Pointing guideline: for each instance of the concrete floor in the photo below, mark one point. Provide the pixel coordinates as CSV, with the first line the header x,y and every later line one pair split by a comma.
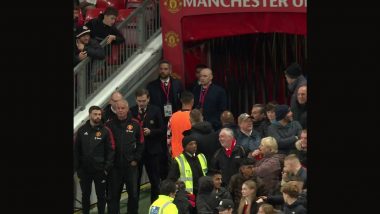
x,y
144,202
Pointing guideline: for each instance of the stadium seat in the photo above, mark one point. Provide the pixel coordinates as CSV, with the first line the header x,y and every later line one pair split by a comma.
x,y
93,13
134,3
123,14
80,18
118,4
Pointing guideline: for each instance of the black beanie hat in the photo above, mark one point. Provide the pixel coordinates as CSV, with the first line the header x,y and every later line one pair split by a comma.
x,y
187,139
281,112
293,71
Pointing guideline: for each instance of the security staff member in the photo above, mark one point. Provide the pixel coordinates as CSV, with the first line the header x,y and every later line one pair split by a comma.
x,y
164,203
189,167
151,120
93,157
128,151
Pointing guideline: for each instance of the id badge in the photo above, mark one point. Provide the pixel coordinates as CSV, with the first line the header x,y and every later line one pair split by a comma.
x,y
168,110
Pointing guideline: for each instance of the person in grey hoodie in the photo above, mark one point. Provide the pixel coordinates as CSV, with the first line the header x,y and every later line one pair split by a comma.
x,y
285,130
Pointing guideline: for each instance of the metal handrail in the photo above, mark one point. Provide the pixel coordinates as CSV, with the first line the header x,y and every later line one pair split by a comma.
x,y
91,75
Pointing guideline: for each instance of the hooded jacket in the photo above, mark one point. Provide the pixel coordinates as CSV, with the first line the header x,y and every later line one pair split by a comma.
x,y
206,204
100,31
207,139
285,135
295,208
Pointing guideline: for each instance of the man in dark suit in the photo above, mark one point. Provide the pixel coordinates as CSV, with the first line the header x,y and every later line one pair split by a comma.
x,y
153,127
165,93
210,98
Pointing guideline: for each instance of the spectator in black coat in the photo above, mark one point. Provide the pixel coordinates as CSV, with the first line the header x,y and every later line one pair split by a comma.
x,y
227,120
260,120
104,27
228,158
219,192
292,205
85,46
295,79
207,138
299,106
181,199
210,98
206,204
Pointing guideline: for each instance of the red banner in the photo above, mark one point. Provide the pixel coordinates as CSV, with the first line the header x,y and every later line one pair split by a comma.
x,y
189,20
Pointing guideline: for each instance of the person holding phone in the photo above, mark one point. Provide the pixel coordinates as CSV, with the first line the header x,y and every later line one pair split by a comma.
x,y
85,46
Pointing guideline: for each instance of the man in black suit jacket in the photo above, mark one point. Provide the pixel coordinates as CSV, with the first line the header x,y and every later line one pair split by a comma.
x,y
211,99
153,127
165,93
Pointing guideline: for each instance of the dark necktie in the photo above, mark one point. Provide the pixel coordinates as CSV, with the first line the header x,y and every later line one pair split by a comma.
x,y
166,85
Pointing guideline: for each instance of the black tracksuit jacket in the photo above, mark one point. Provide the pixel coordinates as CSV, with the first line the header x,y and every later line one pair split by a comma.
x,y
128,139
94,148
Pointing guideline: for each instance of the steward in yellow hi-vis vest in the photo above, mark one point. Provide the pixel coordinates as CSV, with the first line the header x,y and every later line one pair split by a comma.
x,y
189,167
164,203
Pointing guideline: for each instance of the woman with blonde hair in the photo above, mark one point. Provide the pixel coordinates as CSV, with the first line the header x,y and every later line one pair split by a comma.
x,y
247,203
269,167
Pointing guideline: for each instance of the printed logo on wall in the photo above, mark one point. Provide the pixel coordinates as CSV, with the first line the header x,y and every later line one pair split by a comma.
x,y
171,39
173,6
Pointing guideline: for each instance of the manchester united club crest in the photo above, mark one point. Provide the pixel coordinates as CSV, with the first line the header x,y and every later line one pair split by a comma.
x,y
98,134
173,6
171,39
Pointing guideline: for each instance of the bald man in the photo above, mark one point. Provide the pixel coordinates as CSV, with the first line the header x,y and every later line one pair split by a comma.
x,y
299,106
109,112
210,98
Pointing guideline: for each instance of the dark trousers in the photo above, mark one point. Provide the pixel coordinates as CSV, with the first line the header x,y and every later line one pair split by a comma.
x,y
152,164
165,157
117,179
85,182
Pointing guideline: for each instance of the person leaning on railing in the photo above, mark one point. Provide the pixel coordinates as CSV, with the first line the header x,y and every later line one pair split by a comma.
x,y
85,46
104,27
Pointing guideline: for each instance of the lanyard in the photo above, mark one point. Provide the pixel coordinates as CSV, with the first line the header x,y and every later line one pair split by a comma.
x,y
202,96
143,117
166,92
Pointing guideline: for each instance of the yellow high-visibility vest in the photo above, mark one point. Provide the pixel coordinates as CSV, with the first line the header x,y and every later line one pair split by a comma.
x,y
163,205
186,175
